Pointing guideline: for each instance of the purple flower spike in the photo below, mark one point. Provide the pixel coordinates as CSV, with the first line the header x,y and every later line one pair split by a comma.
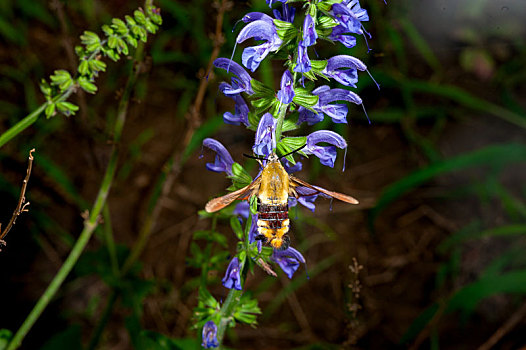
x,y
309,31
259,30
289,260
223,160
286,94
303,64
232,278
287,14
265,142
348,77
209,336
241,81
327,154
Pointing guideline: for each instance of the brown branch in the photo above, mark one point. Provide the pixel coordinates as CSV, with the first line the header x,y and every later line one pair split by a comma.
x,y
514,319
22,205
194,121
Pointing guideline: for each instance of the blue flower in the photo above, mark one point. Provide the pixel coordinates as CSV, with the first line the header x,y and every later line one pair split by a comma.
x,y
348,77
338,34
337,112
241,80
303,64
309,31
265,142
232,278
286,94
349,14
259,30
242,209
241,109
223,160
287,14
269,2
257,16
210,335
327,154
289,260
292,168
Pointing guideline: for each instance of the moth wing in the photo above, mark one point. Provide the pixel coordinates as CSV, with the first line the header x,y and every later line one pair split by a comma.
x,y
220,202
313,190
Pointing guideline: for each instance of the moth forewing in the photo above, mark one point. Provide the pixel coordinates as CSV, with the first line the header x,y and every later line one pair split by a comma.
x,y
295,182
220,202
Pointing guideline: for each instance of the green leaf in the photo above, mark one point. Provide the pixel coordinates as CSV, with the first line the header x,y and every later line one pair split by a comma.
x,y
130,21
87,85
50,110
240,177
84,68
107,30
119,26
286,31
468,297
62,79
70,338
419,324
67,108
139,16
261,90
304,98
150,27
112,41
5,337
206,299
97,65
45,88
496,155
91,41
236,227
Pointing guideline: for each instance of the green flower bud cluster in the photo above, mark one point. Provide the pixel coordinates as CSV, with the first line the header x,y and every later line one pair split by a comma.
x,y
119,36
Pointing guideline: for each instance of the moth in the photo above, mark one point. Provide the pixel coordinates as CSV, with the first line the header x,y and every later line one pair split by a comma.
x,y
273,188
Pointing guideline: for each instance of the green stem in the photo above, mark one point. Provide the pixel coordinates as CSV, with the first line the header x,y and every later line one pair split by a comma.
x,y
31,118
110,242
281,118
227,311
91,223
97,333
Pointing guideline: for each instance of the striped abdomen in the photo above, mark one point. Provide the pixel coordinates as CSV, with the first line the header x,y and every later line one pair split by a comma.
x,y
273,224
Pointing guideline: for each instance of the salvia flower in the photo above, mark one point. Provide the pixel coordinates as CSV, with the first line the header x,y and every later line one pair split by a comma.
x,y
241,109
349,14
256,16
210,335
337,112
265,141
287,14
232,277
326,154
339,33
309,31
240,80
289,260
269,2
286,94
242,209
303,64
223,160
259,30
348,77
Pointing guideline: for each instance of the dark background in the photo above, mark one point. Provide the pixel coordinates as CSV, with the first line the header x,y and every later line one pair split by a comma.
x,y
448,237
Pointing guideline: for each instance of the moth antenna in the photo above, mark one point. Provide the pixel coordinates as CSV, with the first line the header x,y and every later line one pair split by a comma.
x,y
254,157
296,150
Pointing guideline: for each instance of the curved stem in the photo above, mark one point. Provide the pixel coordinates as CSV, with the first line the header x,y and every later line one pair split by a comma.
x,y
91,223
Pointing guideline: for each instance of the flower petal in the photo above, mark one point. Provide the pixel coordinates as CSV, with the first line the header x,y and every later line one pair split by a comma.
x,y
223,160
209,335
232,277
236,69
309,31
265,142
286,94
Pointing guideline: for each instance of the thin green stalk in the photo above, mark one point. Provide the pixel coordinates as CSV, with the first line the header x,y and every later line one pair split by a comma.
x,y
281,118
227,310
91,223
31,118
97,333
108,238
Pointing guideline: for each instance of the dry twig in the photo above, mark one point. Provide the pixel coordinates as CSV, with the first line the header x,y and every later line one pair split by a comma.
x,y
22,205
